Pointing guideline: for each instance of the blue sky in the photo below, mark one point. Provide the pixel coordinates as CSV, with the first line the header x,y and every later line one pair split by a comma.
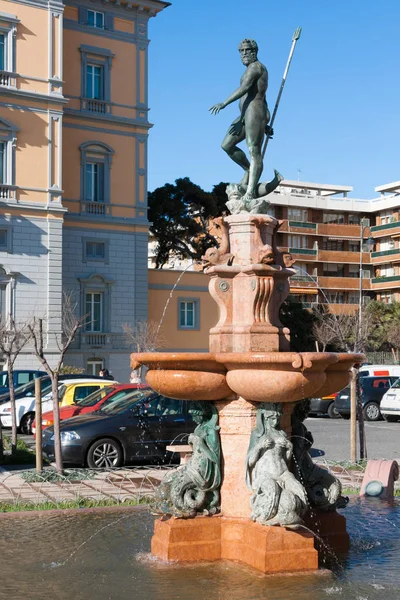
x,y
338,120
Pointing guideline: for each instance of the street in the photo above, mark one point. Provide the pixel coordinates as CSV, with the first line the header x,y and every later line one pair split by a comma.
x,y
332,439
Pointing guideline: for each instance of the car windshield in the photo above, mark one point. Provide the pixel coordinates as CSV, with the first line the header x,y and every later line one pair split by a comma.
x,y
28,388
94,397
396,384
126,403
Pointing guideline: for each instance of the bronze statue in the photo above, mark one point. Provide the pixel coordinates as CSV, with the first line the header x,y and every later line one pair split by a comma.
x,y
251,125
278,498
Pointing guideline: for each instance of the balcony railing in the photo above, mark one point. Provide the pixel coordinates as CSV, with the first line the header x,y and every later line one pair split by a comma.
x,y
6,191
99,209
390,225
7,79
303,224
307,251
385,279
101,107
385,252
94,339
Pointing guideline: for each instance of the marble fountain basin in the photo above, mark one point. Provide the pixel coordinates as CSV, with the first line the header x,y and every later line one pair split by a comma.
x,y
255,376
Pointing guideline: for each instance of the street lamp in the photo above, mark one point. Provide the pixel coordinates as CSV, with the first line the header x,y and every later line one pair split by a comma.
x,y
369,244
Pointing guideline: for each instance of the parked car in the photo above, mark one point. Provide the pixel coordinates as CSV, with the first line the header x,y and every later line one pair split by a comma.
x,y
372,389
91,403
380,371
138,427
28,389
324,406
68,391
19,377
390,403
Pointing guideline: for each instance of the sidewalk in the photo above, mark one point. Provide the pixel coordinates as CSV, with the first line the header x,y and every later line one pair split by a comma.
x,y
119,485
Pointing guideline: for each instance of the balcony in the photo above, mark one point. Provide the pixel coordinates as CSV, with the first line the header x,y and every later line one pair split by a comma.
x,y
309,252
343,256
94,340
7,191
100,209
93,105
384,256
386,282
7,79
303,281
392,228
340,230
343,283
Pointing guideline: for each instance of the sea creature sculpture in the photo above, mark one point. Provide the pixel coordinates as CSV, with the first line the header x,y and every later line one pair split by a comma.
x,y
221,255
278,498
323,489
194,487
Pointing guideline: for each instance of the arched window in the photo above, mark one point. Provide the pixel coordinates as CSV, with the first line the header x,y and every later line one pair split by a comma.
x,y
96,158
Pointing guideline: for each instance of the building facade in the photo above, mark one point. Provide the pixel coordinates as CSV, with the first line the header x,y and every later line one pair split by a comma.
x,y
73,170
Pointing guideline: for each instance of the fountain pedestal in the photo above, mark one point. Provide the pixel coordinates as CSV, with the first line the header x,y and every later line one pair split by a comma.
x,y
249,383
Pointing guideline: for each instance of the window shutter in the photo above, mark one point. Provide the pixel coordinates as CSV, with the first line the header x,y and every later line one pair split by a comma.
x,y
83,15
109,22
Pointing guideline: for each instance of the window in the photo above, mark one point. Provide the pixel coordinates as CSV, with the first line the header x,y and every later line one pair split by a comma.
x,y
297,214
23,378
386,217
95,19
8,133
386,271
336,298
336,245
332,270
94,250
96,158
297,241
386,243
94,366
94,182
188,313
84,390
387,297
354,246
353,298
333,218
94,312
354,270
94,82
354,219
2,52
96,79
3,239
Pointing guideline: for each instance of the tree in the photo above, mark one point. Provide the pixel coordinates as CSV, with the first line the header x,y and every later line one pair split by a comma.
x,y
179,214
13,339
300,322
70,325
144,336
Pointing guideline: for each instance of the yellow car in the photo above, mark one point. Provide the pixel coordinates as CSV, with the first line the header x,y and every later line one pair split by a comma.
x,y
69,393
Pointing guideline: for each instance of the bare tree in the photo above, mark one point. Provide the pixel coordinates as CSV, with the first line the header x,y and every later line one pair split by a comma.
x,y
144,336
13,338
393,337
69,325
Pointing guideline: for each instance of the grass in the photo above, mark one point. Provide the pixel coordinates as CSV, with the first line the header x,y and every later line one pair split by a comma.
x,y
21,506
22,456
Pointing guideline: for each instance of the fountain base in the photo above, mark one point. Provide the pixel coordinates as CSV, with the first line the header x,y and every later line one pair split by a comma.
x,y
267,549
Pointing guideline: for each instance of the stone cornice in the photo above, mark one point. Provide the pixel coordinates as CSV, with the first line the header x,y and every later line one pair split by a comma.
x,y
56,5
123,8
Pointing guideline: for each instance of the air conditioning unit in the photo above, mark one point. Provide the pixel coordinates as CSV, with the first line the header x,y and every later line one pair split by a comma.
x,y
365,222
366,274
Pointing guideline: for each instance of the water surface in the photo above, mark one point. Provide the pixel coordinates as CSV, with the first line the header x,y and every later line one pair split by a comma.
x,y
105,556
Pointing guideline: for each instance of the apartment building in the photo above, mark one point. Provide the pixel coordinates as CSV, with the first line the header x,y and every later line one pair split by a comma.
x,y
335,239
73,169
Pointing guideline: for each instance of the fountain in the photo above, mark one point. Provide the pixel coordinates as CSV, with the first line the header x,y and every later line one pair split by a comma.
x,y
248,490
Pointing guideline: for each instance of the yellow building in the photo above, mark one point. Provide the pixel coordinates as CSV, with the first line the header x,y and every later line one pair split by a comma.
x,y
73,168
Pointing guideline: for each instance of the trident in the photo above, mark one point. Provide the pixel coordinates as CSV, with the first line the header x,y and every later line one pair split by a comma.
x,y
295,37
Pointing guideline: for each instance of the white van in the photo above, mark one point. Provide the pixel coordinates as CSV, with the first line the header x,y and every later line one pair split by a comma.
x,y
380,371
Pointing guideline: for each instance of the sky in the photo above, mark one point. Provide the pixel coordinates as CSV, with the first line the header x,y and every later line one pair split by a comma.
x,y
338,120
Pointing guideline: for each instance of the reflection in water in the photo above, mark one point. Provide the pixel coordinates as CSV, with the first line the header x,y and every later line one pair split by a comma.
x,y
104,555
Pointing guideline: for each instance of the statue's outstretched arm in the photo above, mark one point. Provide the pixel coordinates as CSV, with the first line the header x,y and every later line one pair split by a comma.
x,y
250,76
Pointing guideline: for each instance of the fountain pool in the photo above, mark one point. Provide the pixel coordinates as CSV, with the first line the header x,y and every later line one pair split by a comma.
x,y
106,555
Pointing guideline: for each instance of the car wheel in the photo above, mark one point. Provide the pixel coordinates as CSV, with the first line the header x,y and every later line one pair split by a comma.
x,y
26,423
391,418
371,412
104,453
332,412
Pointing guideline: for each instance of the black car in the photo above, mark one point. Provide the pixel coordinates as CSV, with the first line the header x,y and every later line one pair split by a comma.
x,y
372,389
324,406
136,427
